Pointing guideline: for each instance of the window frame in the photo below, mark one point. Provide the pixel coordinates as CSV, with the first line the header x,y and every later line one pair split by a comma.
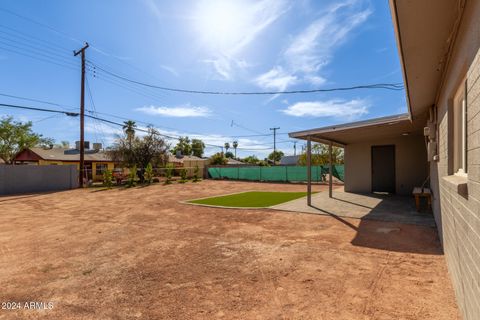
x,y
460,166
102,167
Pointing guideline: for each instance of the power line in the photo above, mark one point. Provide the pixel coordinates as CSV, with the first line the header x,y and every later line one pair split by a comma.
x,y
137,69
45,50
99,128
95,111
139,91
30,38
41,24
233,123
76,114
46,118
386,86
39,58
37,100
102,75
67,113
37,49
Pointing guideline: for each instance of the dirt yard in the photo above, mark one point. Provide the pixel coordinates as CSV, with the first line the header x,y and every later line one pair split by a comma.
x,y
140,254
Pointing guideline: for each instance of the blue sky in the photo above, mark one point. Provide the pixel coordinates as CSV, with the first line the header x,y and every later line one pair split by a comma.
x,y
270,45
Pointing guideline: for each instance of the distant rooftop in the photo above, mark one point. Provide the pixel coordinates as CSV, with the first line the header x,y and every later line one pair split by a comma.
x,y
66,154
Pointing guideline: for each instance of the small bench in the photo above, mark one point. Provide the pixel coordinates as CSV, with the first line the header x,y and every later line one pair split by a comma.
x,y
419,193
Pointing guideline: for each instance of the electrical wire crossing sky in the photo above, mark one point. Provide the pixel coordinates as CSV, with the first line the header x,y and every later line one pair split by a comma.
x,y
220,71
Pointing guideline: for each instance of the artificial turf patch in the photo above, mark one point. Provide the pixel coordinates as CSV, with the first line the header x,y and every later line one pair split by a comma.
x,y
251,199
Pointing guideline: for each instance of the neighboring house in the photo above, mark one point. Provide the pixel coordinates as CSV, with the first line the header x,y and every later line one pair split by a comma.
x,y
438,43
234,162
188,162
289,160
95,161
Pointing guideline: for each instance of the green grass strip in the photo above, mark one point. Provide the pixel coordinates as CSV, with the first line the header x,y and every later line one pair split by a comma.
x,y
251,199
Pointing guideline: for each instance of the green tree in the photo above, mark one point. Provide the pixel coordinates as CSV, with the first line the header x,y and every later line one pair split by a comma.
x,y
263,163
46,143
196,172
183,175
218,159
16,136
229,155
132,177
320,155
198,147
107,178
148,174
129,129
235,146
183,146
141,151
275,156
251,159
168,173
227,146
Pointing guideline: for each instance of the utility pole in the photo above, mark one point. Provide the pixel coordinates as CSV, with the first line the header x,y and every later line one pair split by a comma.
x,y
274,144
294,148
82,115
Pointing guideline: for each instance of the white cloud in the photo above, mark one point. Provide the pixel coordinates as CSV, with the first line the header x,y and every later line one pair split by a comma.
x,y
152,6
169,69
276,79
179,112
313,48
227,27
331,108
222,66
315,80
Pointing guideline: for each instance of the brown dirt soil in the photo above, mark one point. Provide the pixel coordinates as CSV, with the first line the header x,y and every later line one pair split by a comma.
x,y
140,254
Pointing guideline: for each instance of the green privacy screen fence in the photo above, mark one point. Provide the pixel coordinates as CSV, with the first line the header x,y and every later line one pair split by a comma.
x,y
276,173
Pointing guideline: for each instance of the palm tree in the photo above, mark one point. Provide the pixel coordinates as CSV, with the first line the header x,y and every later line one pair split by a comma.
x,y
227,146
235,145
129,129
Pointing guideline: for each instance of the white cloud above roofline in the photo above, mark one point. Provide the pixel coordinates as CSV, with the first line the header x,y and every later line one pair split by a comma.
x,y
337,108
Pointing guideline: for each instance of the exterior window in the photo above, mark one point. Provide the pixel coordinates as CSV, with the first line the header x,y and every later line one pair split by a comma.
x,y
460,131
100,168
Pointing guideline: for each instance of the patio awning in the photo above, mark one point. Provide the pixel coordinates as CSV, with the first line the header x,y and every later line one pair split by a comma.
x,y
368,130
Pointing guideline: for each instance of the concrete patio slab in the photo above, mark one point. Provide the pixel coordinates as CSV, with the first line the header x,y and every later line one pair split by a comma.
x,y
380,207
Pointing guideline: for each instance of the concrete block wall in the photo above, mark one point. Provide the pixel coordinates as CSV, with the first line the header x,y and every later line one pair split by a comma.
x,y
20,179
458,213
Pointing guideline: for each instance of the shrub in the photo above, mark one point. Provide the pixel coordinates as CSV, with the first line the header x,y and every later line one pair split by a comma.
x,y
183,175
263,163
148,174
218,159
196,174
168,173
131,182
108,178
